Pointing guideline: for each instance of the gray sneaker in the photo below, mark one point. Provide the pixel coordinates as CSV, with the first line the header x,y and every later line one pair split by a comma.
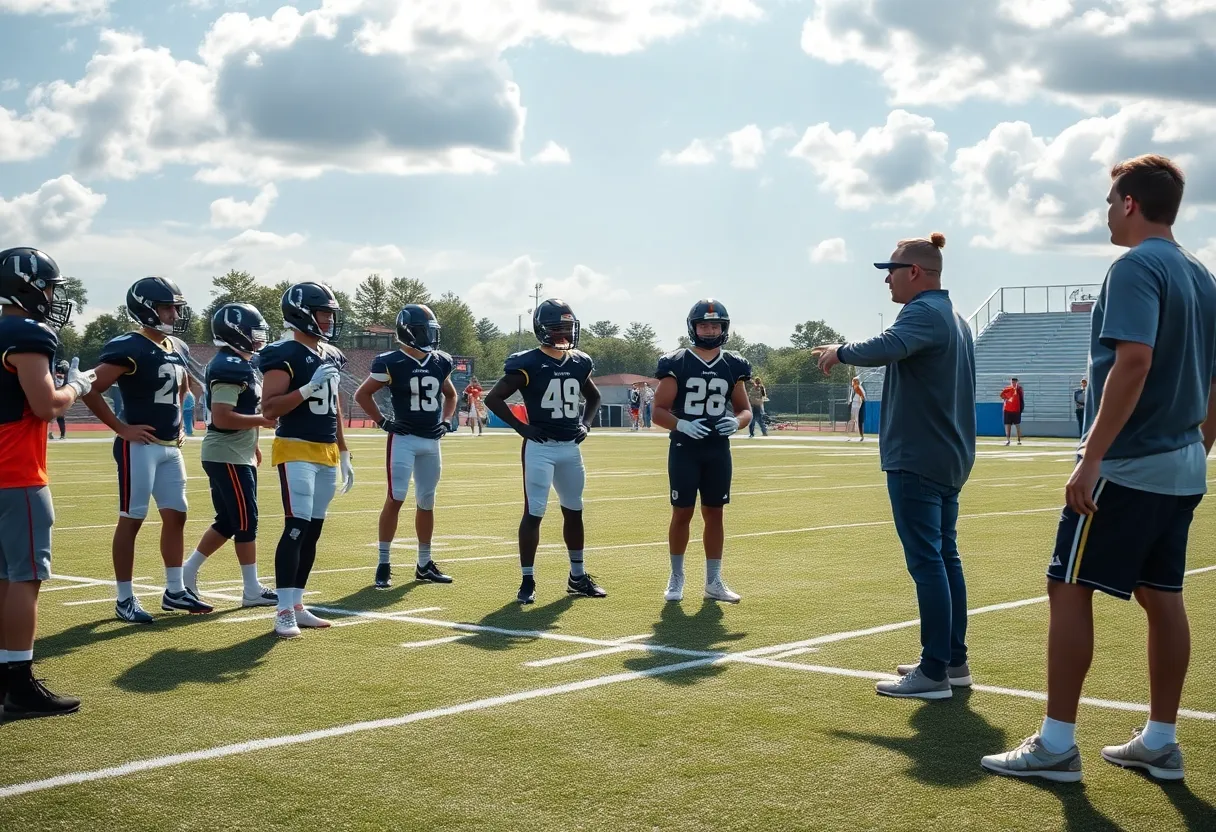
x,y
959,677
915,685
1032,759
1164,764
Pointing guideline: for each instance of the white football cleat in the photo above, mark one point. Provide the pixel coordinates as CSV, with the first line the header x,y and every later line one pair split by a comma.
x,y
675,588
285,624
719,591
306,619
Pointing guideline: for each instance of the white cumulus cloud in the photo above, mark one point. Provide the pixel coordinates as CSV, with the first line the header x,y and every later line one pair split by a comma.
x,y
60,209
76,8
552,154
231,213
696,153
746,146
229,254
675,290
509,288
832,250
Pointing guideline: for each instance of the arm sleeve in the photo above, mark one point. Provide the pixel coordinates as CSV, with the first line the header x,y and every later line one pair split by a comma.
x,y
1133,304
914,330
223,392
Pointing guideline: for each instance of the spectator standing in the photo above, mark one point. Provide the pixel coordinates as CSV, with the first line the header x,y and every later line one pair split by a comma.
x,y
1140,475
757,395
61,378
1078,398
188,412
473,391
927,450
857,408
1014,398
635,406
647,403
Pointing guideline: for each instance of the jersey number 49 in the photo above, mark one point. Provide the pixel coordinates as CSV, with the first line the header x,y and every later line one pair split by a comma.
x,y
705,398
561,398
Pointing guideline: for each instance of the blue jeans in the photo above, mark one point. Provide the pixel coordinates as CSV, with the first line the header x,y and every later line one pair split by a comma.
x,y
926,518
757,419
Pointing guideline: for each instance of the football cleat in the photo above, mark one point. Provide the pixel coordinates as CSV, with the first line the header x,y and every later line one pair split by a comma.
x,y
384,575
285,624
675,588
719,591
28,698
304,618
431,573
184,601
527,590
131,612
586,586
266,597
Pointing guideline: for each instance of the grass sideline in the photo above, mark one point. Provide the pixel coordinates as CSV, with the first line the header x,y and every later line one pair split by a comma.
x,y
453,708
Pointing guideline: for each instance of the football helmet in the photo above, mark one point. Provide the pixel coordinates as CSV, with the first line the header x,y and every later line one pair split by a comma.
x,y
555,324
302,300
25,274
239,326
708,311
145,297
418,327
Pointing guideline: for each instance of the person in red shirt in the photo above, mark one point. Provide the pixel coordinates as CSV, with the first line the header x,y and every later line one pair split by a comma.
x,y
1015,402
34,305
474,391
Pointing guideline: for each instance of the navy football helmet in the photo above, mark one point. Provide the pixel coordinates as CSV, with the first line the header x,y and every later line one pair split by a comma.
x,y
418,327
25,275
239,326
148,294
555,324
708,311
302,300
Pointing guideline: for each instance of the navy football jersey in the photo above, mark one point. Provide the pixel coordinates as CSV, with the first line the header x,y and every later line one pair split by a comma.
x,y
229,368
416,388
703,388
315,419
552,390
152,384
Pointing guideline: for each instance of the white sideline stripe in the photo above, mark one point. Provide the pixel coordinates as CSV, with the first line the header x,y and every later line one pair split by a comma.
x,y
798,651
337,731
350,622
434,642
624,647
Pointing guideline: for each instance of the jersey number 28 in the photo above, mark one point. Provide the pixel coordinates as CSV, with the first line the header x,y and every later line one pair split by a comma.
x,y
561,398
706,398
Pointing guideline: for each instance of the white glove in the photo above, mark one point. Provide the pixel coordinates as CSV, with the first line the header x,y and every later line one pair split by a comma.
x,y
728,425
348,472
81,381
697,429
320,379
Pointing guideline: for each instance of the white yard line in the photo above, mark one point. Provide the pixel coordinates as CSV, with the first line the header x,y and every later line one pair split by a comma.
x,y
434,642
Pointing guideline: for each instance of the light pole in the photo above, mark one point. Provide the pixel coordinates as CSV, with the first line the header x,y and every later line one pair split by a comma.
x,y
880,326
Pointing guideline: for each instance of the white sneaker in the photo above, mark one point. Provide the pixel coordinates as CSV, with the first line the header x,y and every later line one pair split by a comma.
x,y
285,624
306,619
266,597
675,588
719,591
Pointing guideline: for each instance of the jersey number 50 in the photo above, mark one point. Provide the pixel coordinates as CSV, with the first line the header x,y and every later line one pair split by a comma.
x,y
325,401
561,398
706,398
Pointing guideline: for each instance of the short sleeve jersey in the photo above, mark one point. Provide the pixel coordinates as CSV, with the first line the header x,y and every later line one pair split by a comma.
x,y
151,386
22,433
552,390
315,419
1159,295
703,388
231,380
416,387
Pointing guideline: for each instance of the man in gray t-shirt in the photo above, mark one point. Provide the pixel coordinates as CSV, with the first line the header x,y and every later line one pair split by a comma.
x,y
1142,471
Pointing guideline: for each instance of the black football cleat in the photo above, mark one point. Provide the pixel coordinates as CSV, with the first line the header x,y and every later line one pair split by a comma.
x,y
384,575
585,585
527,590
28,698
431,573
184,601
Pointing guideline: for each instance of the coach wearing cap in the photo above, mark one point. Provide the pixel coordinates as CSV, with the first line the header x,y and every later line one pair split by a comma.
x,y
927,448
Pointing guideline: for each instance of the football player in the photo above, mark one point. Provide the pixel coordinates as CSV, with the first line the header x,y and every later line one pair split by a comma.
x,y
551,379
230,455
695,387
300,377
149,366
418,375
61,378
34,306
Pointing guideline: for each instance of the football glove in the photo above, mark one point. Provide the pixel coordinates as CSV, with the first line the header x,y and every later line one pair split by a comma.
x,y
79,380
347,471
727,425
697,429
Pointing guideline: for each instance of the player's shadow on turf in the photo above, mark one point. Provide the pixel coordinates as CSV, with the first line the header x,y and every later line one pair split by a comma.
x,y
1196,812
1080,815
370,599
168,669
703,631
74,638
524,620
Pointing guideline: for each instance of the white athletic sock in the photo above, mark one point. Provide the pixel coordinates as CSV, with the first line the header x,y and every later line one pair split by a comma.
x,y
297,597
1058,736
15,656
190,570
424,554
576,564
173,579
385,548
3,657
125,592
1157,735
286,598
677,565
713,570
249,574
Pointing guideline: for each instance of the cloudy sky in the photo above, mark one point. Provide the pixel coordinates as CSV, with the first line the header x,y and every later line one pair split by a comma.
x,y
631,155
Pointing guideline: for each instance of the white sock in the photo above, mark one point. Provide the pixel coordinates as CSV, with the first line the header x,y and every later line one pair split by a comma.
x,y
1058,736
297,597
173,579
125,592
385,547
1157,735
190,570
249,574
713,570
286,598
424,554
677,565
576,564
28,656
3,657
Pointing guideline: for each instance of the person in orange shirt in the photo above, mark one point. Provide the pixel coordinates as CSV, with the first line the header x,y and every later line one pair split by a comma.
x,y
1015,402
34,301
473,391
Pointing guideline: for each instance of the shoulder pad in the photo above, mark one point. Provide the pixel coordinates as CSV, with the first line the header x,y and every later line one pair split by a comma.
x,y
516,360
28,335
